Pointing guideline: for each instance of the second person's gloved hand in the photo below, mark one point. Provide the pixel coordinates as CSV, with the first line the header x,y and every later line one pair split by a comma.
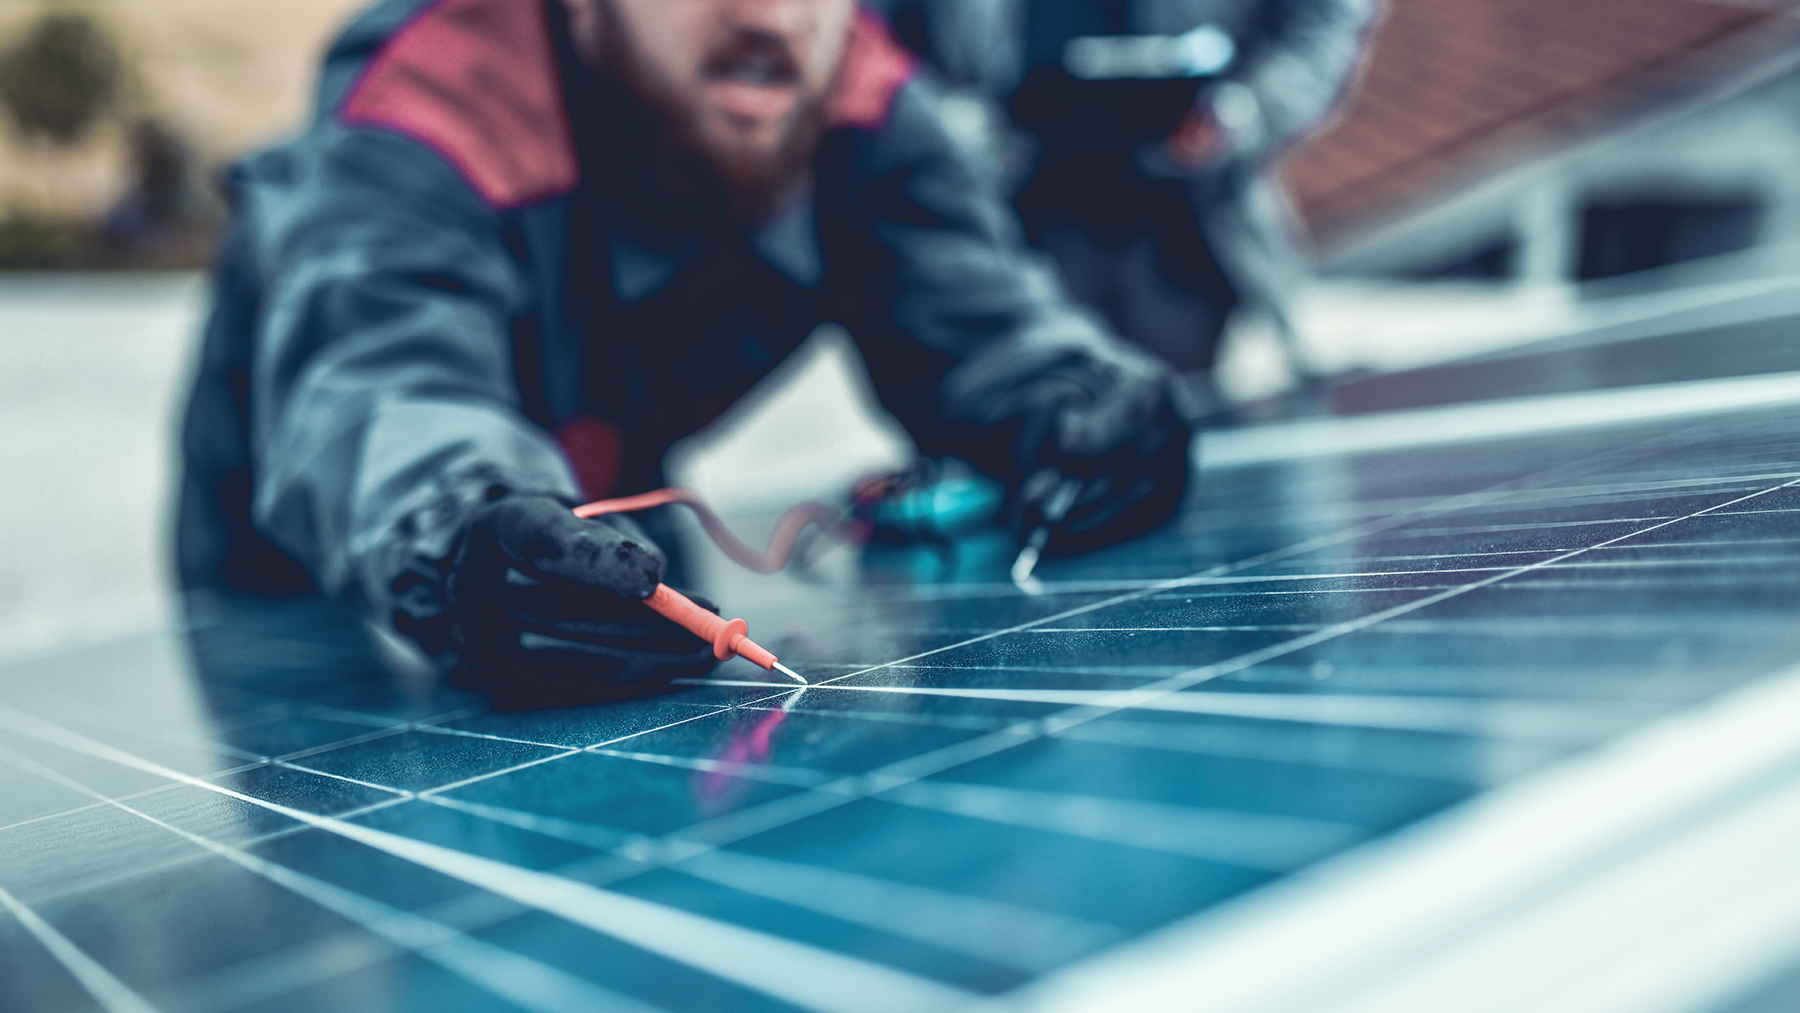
x,y
1101,452
547,608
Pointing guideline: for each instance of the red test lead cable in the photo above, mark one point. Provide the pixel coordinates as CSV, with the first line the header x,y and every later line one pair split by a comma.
x,y
729,637
781,542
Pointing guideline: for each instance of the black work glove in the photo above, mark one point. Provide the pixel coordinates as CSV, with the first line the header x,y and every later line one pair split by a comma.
x,y
1101,453
547,610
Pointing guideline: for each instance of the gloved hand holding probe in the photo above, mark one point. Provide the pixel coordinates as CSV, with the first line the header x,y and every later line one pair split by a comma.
x,y
547,608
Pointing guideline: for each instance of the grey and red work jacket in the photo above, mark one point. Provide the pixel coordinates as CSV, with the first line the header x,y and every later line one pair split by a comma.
x,y
421,298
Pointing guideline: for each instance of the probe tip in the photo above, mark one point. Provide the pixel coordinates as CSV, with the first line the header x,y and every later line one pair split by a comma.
x,y
790,673
1027,562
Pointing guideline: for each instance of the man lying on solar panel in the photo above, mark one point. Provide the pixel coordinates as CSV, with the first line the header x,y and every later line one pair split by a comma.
x,y
523,246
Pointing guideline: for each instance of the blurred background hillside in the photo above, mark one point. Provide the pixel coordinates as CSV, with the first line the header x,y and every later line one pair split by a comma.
x,y
107,100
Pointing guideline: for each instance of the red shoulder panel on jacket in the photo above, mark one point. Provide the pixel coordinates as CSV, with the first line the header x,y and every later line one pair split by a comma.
x,y
477,81
875,66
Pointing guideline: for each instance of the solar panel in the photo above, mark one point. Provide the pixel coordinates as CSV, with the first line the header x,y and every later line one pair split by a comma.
x,y
981,790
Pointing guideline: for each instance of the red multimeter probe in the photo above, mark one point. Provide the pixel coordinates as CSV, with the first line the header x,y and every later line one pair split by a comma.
x,y
729,637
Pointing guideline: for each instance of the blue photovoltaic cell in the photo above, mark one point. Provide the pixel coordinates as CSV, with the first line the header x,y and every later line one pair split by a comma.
x,y
983,787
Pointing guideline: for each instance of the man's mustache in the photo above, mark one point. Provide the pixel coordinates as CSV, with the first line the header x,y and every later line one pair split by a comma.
x,y
755,58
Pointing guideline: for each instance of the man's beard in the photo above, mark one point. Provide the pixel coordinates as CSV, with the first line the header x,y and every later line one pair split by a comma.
x,y
692,184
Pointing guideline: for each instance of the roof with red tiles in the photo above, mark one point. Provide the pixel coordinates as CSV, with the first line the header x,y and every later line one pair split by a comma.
x,y
1453,88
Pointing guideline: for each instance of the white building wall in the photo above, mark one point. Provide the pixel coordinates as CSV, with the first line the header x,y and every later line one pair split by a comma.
x,y
1743,138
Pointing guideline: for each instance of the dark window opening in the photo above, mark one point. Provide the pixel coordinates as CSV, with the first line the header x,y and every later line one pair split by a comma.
x,y
1625,237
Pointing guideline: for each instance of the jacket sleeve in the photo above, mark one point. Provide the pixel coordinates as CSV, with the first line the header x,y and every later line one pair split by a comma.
x,y
1303,64
966,288
384,405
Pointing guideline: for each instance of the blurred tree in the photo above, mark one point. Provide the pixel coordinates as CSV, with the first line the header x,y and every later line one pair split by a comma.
x,y
163,215
60,78
159,161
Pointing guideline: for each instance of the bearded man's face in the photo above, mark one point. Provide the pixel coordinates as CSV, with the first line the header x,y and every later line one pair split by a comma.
x,y
741,84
